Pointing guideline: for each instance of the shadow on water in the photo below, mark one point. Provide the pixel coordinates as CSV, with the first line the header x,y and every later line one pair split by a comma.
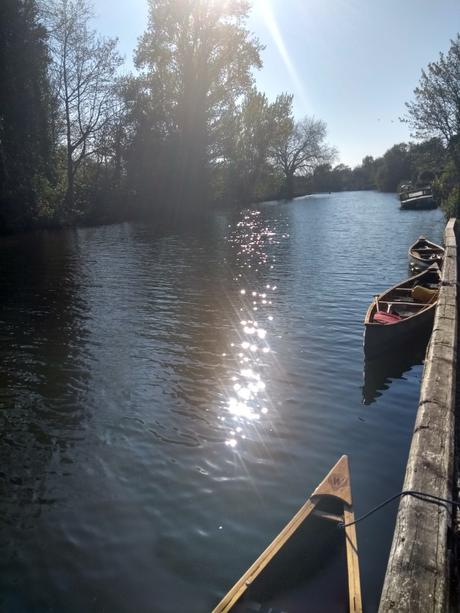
x,y
380,371
40,399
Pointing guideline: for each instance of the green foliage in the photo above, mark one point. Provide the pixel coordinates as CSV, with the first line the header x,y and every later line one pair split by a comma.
x,y
394,168
249,134
26,159
326,178
80,145
445,188
418,163
428,159
83,72
435,112
452,205
196,60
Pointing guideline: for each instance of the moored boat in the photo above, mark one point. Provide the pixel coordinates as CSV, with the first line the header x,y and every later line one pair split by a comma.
x,y
416,198
311,564
423,253
401,312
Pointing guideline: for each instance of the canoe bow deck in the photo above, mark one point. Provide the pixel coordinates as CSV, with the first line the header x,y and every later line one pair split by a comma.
x,y
330,503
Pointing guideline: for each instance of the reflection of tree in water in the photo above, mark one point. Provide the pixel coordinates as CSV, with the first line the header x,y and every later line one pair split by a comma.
x,y
379,372
184,322
41,378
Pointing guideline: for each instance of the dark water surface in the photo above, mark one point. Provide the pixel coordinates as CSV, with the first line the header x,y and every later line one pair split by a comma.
x,y
168,401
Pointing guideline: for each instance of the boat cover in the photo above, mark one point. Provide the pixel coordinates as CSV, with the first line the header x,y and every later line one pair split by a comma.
x,y
424,294
386,318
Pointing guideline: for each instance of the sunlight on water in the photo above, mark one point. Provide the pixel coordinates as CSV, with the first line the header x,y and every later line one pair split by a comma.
x,y
247,399
153,419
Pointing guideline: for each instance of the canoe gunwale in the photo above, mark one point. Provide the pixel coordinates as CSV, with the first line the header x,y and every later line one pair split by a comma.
x,y
336,485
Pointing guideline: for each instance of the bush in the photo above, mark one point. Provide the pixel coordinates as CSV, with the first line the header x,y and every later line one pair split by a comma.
x,y
451,205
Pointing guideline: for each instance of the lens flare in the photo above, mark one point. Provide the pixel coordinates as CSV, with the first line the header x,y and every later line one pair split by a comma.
x,y
264,8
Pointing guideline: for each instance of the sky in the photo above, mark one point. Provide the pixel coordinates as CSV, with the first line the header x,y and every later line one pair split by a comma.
x,y
352,63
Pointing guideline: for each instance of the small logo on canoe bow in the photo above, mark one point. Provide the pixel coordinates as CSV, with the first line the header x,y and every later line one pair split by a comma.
x,y
337,481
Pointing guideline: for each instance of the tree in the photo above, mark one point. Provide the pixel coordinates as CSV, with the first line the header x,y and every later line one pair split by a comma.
x,y
102,176
83,75
302,149
364,175
428,160
249,135
26,160
340,178
395,167
196,59
435,111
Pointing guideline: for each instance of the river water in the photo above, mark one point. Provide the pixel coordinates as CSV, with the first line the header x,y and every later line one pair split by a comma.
x,y
169,399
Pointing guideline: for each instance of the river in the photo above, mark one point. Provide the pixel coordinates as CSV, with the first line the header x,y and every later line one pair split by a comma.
x,y
169,399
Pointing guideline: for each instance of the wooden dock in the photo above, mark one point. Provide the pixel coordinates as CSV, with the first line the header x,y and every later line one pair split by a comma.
x,y
422,560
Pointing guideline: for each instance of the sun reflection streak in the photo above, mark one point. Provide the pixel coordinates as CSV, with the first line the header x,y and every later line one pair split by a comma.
x,y
248,413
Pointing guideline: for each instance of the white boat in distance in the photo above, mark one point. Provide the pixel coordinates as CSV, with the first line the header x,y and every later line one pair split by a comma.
x,y
416,198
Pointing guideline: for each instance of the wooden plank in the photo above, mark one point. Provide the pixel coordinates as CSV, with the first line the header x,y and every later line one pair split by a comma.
x,y
241,586
417,577
354,581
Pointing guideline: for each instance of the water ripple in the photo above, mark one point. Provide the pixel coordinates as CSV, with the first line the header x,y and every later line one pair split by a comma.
x,y
167,401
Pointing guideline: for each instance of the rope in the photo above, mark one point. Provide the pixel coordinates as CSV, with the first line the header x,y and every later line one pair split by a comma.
x,y
444,502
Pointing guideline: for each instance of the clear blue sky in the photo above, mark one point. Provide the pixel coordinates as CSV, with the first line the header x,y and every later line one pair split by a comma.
x,y
352,63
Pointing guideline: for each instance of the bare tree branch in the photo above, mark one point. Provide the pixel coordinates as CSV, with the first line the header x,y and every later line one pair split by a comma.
x,y
83,74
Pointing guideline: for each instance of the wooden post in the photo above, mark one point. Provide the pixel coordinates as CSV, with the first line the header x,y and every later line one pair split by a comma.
x,y
417,577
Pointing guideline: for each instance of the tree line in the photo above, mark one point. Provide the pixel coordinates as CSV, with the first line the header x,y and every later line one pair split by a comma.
x,y
417,163
434,118
83,142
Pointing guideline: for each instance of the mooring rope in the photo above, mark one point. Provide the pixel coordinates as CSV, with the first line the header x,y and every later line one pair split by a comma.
x,y
419,495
